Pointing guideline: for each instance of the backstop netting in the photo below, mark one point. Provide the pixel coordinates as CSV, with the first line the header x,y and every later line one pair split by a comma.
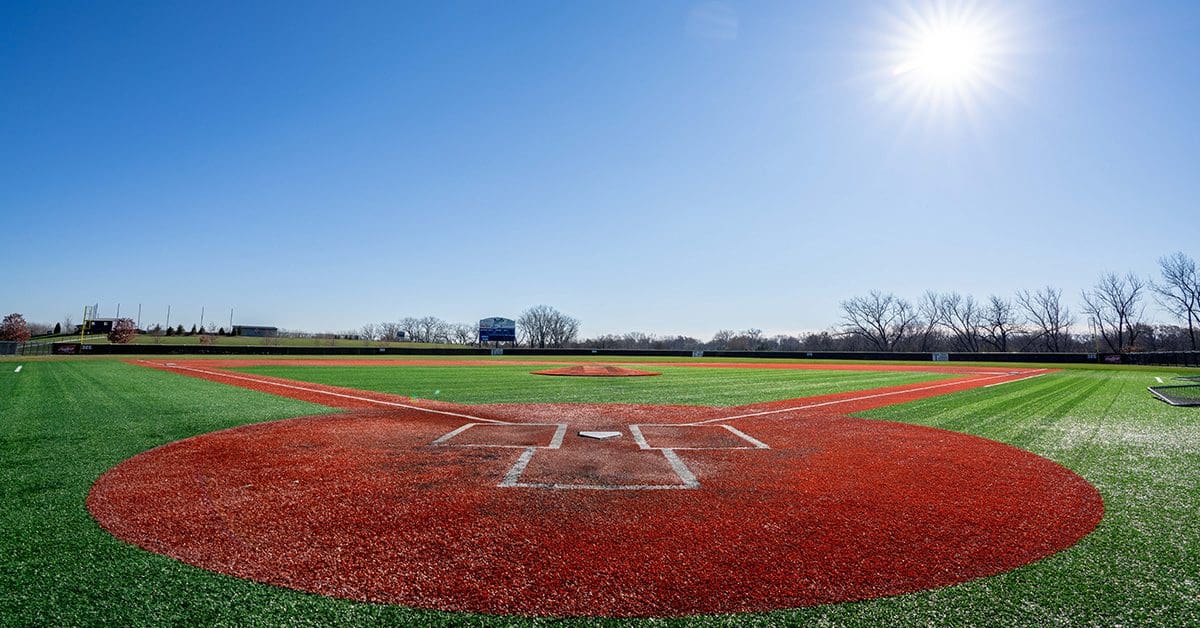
x,y
1179,394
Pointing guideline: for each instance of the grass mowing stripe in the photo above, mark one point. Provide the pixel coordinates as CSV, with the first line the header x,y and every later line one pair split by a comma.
x,y
515,384
65,422
1137,568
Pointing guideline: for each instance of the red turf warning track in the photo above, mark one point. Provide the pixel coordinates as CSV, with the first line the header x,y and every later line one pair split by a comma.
x,y
769,506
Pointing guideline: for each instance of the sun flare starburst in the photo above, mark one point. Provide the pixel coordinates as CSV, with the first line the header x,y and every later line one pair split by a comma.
x,y
946,58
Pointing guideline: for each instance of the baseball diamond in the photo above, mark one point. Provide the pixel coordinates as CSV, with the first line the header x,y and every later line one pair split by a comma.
x,y
504,508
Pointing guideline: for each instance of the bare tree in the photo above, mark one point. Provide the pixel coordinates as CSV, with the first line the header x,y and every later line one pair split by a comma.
x,y
1179,292
883,320
1050,318
411,328
431,329
388,331
1115,307
464,333
964,318
563,330
999,322
542,326
720,340
369,332
929,310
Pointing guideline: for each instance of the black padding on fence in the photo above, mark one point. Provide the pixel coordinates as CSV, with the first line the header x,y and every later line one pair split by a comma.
x,y
1163,358
220,349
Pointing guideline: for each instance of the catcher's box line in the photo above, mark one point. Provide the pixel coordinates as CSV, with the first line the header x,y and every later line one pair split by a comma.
x,y
331,393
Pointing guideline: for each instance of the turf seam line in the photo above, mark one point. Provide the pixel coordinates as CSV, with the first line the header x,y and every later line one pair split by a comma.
x,y
334,394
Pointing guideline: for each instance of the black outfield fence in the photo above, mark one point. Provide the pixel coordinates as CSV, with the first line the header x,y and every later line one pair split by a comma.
x,y
1164,358
66,348
166,349
913,356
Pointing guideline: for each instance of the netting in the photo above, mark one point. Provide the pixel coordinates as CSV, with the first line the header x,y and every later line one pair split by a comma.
x,y
1183,395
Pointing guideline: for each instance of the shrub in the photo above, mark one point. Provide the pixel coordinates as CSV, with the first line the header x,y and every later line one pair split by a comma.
x,y
15,328
123,331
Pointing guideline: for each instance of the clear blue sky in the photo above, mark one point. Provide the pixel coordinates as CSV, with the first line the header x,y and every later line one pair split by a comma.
x,y
669,167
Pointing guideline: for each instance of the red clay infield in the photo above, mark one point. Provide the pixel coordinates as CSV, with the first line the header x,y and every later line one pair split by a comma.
x,y
507,509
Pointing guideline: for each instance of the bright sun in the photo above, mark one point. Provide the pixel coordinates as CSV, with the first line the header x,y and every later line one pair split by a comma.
x,y
946,56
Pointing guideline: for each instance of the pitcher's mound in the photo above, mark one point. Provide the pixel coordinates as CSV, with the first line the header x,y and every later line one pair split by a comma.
x,y
596,370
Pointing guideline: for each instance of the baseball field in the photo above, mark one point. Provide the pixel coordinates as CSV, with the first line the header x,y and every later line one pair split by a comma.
x,y
439,491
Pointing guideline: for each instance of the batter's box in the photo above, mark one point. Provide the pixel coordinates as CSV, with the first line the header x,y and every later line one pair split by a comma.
x,y
655,436
587,468
523,435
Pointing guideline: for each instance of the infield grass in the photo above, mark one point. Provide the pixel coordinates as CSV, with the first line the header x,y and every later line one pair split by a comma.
x,y
67,421
516,384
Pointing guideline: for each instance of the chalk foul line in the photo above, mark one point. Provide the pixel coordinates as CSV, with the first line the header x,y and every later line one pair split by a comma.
x,y
267,382
810,406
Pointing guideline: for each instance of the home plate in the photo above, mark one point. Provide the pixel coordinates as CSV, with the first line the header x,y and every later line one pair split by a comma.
x,y
600,435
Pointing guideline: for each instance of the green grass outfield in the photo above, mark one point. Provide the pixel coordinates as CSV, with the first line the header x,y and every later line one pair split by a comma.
x,y
66,421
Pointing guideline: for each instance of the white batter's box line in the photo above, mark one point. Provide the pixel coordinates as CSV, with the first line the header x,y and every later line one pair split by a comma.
x,y
556,441
640,438
512,479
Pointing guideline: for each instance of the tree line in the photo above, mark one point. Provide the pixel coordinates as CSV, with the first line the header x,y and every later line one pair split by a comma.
x,y
1111,317
539,326
1113,311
